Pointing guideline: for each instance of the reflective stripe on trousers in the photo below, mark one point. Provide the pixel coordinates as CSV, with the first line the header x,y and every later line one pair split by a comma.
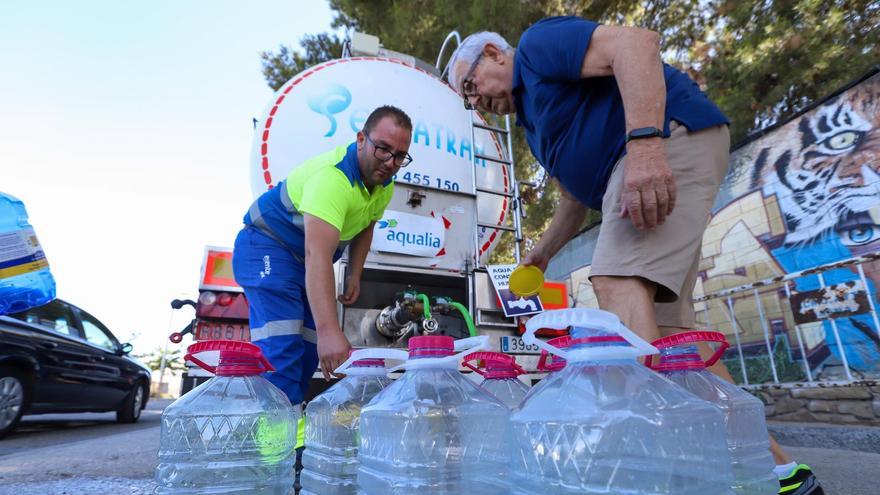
x,y
284,327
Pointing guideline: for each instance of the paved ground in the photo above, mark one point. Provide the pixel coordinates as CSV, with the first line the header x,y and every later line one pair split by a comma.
x,y
842,472
85,454
81,454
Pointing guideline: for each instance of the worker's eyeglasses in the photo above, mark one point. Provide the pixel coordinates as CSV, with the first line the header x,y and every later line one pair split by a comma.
x,y
384,154
468,88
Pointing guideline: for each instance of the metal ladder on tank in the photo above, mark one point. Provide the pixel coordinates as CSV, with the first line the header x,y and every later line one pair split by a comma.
x,y
512,196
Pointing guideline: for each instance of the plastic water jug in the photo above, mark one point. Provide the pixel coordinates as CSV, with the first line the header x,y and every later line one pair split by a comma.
x,y
433,431
606,424
744,420
333,428
550,364
500,372
234,434
25,280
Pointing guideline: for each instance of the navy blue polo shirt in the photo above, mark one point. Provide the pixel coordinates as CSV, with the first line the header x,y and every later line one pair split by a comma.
x,y
576,127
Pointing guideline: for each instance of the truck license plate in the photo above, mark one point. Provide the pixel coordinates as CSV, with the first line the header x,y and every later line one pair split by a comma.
x,y
516,345
215,330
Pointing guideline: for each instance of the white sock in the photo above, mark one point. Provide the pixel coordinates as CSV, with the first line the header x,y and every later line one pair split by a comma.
x,y
783,470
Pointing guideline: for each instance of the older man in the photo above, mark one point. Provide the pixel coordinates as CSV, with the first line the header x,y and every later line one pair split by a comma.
x,y
623,133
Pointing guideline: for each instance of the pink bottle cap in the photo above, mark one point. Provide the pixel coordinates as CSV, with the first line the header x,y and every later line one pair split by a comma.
x,y
431,346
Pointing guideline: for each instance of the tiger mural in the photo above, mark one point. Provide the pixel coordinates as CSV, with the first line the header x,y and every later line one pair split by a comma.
x,y
819,177
823,166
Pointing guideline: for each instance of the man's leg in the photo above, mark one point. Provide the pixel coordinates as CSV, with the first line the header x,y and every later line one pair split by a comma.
x,y
274,284
632,300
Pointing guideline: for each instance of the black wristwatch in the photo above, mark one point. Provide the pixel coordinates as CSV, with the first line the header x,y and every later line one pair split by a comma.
x,y
643,133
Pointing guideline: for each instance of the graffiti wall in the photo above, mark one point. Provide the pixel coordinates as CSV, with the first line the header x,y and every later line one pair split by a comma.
x,y
804,194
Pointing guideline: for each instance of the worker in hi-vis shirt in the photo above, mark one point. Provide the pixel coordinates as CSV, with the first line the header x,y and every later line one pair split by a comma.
x,y
293,234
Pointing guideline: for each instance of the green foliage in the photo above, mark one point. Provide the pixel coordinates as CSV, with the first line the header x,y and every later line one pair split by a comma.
x,y
761,60
759,370
771,59
280,67
173,359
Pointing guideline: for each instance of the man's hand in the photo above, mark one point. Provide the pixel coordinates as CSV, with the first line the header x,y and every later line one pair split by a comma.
x,y
352,291
536,257
566,221
333,350
648,185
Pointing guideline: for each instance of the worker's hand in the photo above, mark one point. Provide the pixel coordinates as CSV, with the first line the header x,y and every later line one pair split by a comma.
x,y
352,291
648,195
536,257
333,350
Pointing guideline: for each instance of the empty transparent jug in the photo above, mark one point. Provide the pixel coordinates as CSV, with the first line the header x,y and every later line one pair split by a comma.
x,y
606,424
433,431
333,428
500,372
744,421
234,434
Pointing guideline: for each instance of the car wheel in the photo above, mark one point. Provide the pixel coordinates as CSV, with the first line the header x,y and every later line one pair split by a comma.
x,y
130,410
13,397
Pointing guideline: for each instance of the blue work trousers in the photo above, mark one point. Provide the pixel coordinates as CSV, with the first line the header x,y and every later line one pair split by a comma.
x,y
274,282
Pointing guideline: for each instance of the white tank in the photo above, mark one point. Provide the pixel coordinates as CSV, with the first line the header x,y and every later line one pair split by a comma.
x,y
327,104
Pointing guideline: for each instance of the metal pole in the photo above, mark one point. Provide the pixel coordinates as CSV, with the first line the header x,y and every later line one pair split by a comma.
x,y
870,300
797,332
766,336
731,316
162,358
516,203
837,335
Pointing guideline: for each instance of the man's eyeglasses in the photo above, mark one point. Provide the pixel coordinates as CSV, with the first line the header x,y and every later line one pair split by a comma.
x,y
384,154
468,88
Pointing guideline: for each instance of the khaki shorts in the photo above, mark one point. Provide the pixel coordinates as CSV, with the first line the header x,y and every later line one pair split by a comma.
x,y
667,255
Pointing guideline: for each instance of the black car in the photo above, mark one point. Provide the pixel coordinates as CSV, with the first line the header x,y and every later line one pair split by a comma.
x,y
57,358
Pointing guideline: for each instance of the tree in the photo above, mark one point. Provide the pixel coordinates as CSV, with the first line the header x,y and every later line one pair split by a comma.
x,y
173,359
767,60
278,68
761,60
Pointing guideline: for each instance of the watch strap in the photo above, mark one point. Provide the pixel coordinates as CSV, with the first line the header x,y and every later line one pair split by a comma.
x,y
644,133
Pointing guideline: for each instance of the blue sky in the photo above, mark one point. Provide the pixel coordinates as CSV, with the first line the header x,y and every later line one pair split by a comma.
x,y
126,128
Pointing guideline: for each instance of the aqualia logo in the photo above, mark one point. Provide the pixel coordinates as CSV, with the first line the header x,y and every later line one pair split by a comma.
x,y
387,224
407,238
332,100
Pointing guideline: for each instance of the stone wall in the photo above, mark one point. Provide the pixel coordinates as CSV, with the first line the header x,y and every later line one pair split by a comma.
x,y
857,403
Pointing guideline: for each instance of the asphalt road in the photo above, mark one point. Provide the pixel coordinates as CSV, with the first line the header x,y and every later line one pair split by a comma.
x,y
84,454
81,454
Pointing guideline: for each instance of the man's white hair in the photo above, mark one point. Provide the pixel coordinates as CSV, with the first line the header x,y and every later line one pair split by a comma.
x,y
469,50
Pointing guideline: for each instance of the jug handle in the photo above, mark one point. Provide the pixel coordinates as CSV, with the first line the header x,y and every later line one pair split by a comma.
x,y
690,338
583,317
386,354
225,345
559,342
491,356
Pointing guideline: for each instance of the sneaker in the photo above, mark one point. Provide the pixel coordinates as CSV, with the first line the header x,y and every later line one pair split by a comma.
x,y
801,481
